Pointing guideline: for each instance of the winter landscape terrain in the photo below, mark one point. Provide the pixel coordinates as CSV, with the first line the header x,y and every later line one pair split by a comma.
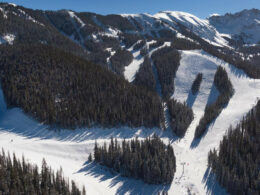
x,y
22,134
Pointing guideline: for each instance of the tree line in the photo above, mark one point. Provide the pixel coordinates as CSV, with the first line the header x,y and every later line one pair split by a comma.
x,y
20,177
225,88
149,159
237,163
181,116
166,61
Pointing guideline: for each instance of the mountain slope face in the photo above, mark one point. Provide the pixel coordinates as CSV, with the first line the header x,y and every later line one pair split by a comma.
x,y
243,26
98,38
120,47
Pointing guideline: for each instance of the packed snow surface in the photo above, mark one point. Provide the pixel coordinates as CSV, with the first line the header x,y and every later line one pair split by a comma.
x,y
70,149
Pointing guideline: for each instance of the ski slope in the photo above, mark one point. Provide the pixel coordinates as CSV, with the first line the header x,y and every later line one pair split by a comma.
x,y
70,149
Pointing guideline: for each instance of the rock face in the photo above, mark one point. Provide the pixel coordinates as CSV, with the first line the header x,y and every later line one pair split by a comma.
x,y
244,25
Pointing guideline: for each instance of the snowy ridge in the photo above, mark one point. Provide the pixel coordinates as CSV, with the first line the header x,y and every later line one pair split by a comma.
x,y
244,24
200,27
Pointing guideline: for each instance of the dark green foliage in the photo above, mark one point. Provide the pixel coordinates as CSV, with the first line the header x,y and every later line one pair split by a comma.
x,y
90,157
64,90
166,61
196,84
144,51
237,165
211,112
130,39
168,34
180,115
150,160
145,77
26,31
121,59
116,21
184,44
20,177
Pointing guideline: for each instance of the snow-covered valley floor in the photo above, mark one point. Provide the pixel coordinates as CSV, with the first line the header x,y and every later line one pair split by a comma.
x,y
70,149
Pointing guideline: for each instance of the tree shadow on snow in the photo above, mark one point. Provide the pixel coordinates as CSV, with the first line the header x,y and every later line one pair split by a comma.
x,y
126,185
211,184
191,99
196,141
238,72
14,120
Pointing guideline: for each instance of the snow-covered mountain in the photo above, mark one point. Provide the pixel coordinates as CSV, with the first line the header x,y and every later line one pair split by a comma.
x,y
200,27
203,46
243,25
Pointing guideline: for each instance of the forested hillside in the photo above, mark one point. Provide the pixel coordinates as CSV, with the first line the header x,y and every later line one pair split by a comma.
x,y
167,61
63,90
21,177
237,163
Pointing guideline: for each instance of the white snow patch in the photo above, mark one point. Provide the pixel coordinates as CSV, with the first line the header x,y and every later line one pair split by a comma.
x,y
215,14
7,38
12,4
74,16
28,17
258,21
3,12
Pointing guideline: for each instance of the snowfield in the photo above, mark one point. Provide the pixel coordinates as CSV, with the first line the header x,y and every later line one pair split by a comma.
x,y
70,149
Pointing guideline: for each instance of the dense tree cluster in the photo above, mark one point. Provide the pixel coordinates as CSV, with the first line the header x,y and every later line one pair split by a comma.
x,y
224,86
144,51
61,89
180,116
237,163
150,159
145,76
121,59
20,177
196,84
184,44
166,61
130,39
